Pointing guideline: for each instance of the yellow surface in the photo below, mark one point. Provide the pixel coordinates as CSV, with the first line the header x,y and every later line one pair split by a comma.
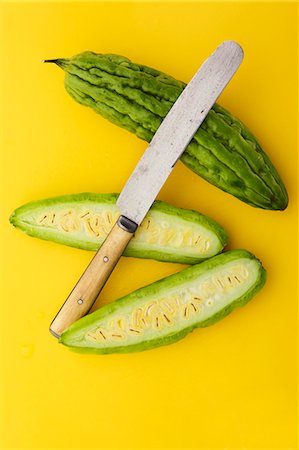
x,y
232,385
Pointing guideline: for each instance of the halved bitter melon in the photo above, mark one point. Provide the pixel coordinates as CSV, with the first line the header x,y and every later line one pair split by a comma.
x,y
169,309
83,220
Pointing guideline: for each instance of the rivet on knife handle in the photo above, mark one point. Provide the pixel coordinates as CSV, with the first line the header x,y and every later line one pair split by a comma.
x,y
95,276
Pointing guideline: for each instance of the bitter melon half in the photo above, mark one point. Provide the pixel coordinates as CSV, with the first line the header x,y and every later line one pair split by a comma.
x,y
136,97
83,220
167,310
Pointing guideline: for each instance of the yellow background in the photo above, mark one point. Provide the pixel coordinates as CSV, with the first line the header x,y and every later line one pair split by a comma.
x,y
232,385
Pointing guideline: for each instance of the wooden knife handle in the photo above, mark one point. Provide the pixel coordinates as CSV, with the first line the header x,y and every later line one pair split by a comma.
x,y
95,276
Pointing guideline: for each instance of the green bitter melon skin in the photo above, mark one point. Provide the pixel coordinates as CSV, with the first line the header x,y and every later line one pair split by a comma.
x,y
86,334
43,219
137,98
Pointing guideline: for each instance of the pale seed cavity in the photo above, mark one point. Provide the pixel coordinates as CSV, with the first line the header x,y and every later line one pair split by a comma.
x,y
168,311
153,230
159,232
95,224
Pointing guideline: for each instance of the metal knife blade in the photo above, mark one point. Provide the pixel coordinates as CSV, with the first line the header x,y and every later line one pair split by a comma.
x,y
177,130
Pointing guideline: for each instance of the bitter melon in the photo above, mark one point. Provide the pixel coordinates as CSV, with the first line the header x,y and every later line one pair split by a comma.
x,y
167,233
169,309
136,97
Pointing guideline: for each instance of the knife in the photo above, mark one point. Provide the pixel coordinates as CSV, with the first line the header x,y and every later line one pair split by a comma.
x,y
148,177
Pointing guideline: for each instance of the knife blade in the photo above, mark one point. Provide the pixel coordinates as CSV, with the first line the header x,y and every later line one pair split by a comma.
x,y
148,177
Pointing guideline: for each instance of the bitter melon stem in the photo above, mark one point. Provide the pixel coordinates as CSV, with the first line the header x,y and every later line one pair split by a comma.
x,y
58,61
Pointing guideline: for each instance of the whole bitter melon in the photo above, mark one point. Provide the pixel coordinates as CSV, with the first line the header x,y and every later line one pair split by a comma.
x,y
83,220
137,98
169,309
